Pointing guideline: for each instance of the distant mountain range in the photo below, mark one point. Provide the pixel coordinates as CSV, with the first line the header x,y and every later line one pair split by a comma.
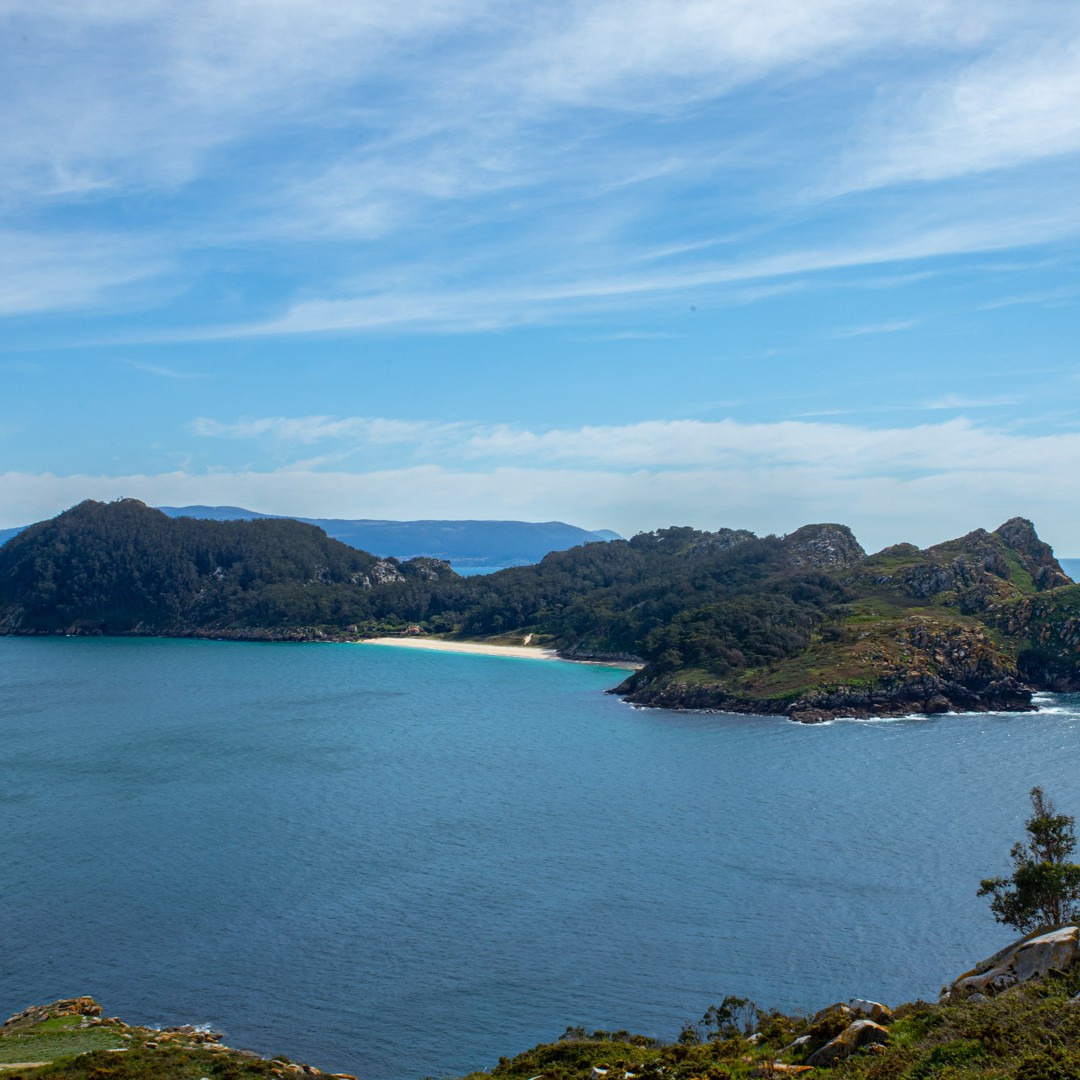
x,y
467,545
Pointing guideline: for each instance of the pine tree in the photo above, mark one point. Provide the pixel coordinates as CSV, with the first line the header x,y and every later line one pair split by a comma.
x,y
1044,889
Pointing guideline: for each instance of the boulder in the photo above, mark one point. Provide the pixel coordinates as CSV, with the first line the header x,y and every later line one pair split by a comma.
x,y
838,1009
871,1010
1029,958
861,1033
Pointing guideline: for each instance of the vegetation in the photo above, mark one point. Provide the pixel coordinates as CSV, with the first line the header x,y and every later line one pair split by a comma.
x,y
69,1040
1044,888
806,624
1031,1033
1028,1030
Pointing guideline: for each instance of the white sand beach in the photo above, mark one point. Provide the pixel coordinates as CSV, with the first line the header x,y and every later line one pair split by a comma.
x,y
524,652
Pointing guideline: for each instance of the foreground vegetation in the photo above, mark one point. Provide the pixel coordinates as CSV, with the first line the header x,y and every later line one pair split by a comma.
x,y
1031,1032
807,624
71,1040
1015,1016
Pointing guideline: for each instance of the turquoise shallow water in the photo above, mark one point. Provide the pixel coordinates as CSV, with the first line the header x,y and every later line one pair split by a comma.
x,y
401,864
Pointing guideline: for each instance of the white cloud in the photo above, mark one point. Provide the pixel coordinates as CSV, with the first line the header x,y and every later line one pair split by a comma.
x,y
921,484
875,328
1010,108
61,272
414,123
881,509
306,430
562,292
136,94
162,371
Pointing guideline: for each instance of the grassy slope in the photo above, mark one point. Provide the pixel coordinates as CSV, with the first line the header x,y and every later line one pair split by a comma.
x,y
73,1047
1029,1033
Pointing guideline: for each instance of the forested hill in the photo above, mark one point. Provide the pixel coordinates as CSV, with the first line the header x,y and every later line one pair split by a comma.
x,y
467,545
123,567
807,624
464,544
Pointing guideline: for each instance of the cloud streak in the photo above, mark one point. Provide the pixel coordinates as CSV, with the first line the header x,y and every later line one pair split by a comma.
x,y
922,483
420,126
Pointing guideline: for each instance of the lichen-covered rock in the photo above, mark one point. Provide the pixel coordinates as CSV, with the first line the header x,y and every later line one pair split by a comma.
x,y
823,545
861,1033
871,1010
1026,959
79,1006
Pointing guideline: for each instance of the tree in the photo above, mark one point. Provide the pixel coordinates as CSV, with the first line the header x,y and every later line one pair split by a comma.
x,y
733,1017
1044,889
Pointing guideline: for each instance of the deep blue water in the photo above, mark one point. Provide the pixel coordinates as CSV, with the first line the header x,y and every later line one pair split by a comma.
x,y
400,864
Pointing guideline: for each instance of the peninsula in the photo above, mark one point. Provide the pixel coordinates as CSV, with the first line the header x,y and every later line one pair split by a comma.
x,y
806,625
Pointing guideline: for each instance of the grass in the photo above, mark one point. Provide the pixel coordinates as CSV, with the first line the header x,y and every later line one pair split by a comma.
x,y
161,1064
59,1036
1028,1033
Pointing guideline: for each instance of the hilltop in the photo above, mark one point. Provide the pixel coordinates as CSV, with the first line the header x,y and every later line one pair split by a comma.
x,y
807,625
466,544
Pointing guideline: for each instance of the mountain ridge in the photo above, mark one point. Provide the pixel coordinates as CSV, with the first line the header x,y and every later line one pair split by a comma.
x,y
467,543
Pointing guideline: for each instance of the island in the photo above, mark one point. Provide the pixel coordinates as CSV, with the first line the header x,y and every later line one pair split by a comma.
x,y
807,625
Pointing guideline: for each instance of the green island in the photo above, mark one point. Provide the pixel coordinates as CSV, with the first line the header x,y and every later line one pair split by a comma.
x,y
806,625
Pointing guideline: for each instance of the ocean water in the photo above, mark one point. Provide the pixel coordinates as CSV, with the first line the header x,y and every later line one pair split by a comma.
x,y
402,864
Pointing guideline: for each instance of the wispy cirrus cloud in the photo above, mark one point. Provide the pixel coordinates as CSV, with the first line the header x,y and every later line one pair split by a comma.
x,y
1017,105
71,271
306,430
875,328
421,125
432,304
161,371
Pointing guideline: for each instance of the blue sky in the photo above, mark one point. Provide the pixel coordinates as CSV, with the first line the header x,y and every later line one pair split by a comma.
x,y
746,263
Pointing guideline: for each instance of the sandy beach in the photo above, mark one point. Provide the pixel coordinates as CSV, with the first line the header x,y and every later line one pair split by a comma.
x,y
524,652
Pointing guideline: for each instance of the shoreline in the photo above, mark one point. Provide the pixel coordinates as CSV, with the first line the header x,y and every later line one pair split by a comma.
x,y
519,652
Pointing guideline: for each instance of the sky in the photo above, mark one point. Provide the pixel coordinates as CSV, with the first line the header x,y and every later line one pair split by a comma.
x,y
738,263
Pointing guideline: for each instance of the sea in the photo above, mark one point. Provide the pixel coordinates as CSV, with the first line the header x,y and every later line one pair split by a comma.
x,y
404,864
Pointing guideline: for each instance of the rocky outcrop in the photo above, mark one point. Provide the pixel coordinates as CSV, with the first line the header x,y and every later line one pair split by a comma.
x,y
1036,556
977,570
207,1054
924,693
864,1009
828,546
925,666
35,1014
1031,957
860,1034
720,540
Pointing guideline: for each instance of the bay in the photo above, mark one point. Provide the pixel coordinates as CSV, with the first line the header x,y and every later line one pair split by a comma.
x,y
399,863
